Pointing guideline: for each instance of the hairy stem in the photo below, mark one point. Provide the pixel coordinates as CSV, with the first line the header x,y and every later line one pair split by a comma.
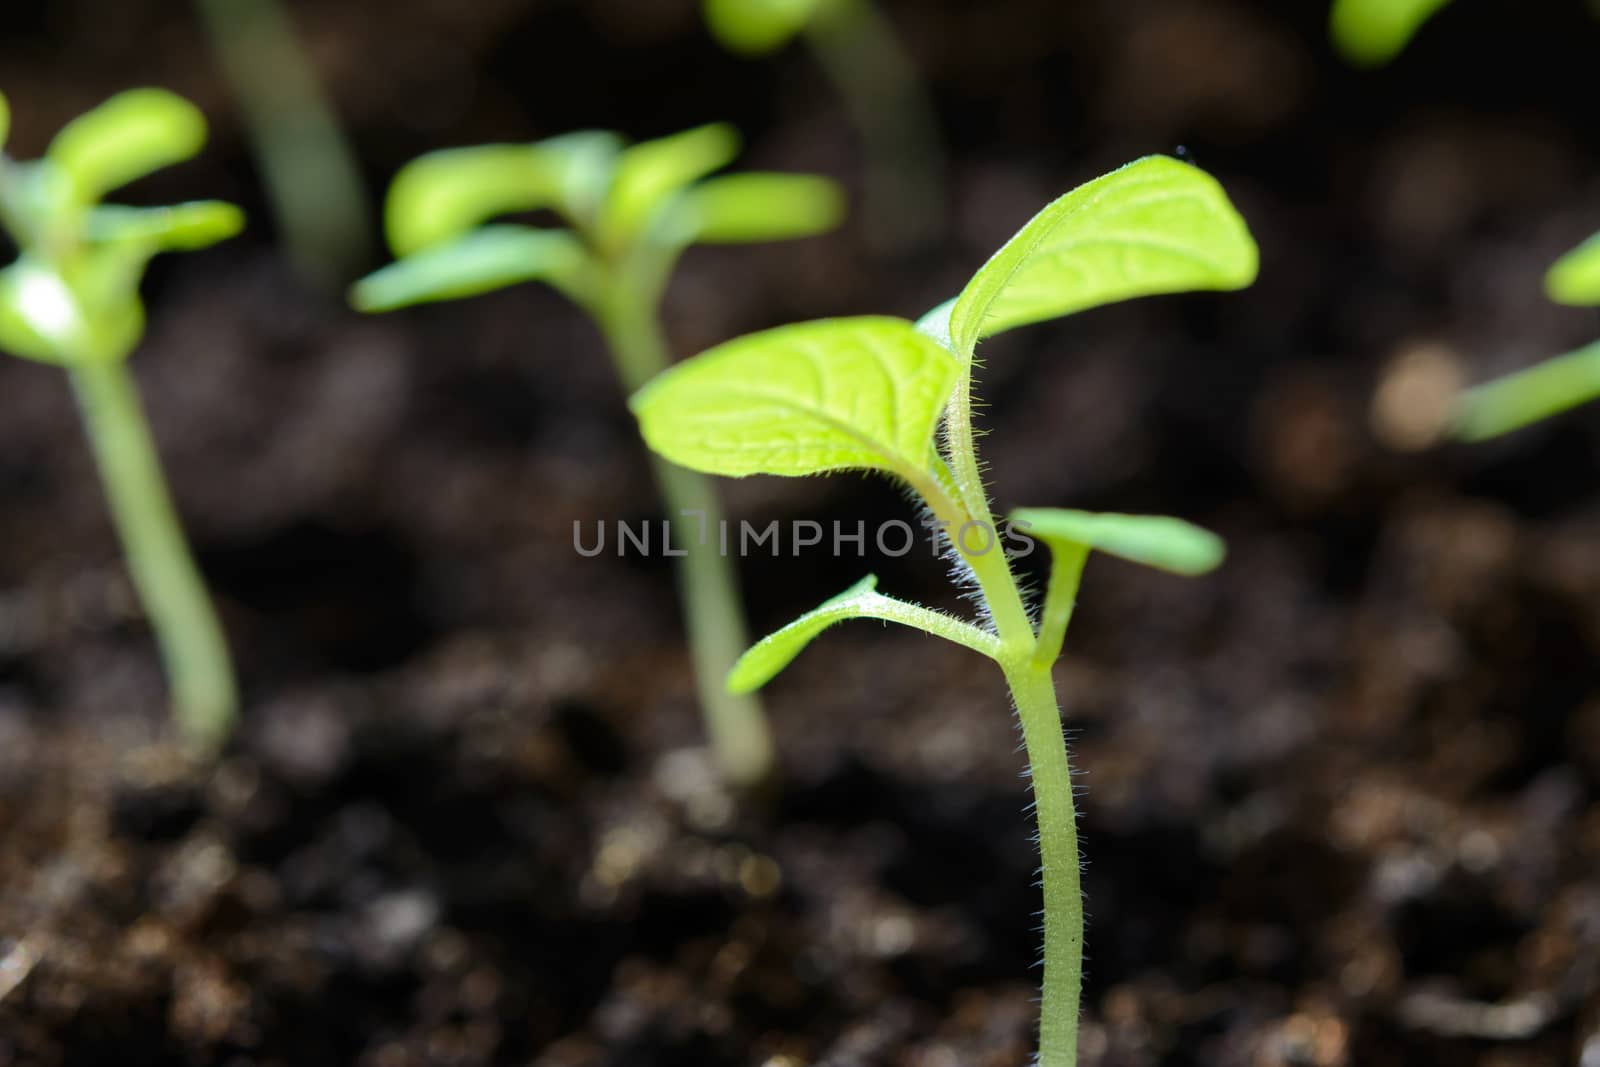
x,y
712,613
190,636
1051,773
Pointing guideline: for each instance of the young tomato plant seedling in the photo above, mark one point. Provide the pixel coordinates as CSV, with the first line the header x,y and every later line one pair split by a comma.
x,y
632,211
873,393
71,298
862,56
1548,388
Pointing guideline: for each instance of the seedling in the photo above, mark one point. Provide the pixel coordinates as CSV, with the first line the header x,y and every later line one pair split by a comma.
x,y
1370,33
71,299
1553,386
874,393
631,211
862,56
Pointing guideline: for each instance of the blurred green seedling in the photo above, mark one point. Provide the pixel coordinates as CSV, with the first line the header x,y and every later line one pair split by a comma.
x,y
71,298
887,395
862,56
1370,33
631,211
1547,388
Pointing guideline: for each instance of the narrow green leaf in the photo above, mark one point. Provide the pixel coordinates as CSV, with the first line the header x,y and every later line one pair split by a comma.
x,y
649,173
131,135
1155,226
773,653
1575,278
1154,540
489,258
5,119
838,394
1528,396
442,195
179,228
756,27
1370,33
751,207
38,314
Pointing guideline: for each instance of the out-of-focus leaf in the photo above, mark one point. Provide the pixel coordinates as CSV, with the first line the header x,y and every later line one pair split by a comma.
x,y
838,394
178,228
1372,32
39,316
649,173
125,138
1528,396
739,208
756,27
1575,277
444,194
1155,226
485,259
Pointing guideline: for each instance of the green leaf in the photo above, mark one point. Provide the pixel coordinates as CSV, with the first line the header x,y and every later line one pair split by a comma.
x,y
5,119
838,394
1528,396
131,135
1575,278
1154,540
756,27
179,228
773,653
39,316
1372,32
444,194
1155,226
761,207
489,258
649,173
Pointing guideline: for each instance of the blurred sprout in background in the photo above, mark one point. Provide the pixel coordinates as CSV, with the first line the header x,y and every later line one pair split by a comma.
x,y
631,211
311,175
862,56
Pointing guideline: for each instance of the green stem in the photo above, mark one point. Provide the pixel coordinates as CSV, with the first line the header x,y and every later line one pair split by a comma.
x,y
736,724
862,55
311,174
190,636
1529,395
1051,772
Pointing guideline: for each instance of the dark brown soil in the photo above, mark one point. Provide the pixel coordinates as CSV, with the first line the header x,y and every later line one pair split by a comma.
x,y
1340,801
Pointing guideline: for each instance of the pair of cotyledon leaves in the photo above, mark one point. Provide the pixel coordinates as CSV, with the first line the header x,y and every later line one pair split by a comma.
x,y
615,197
868,393
72,292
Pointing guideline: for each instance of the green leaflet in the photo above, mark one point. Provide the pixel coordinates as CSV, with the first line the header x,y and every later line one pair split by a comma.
x,y
649,173
756,27
1575,277
837,394
444,194
740,208
1154,540
1154,226
179,228
485,259
1372,32
762,662
131,135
